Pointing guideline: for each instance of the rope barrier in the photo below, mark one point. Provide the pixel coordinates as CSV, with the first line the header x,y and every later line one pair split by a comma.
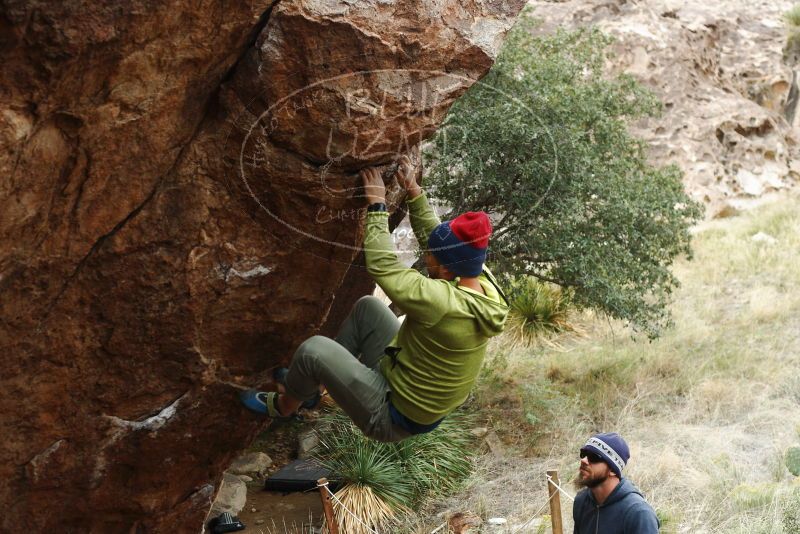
x,y
559,488
540,510
335,498
518,529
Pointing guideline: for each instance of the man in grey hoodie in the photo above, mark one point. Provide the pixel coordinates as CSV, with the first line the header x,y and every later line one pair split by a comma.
x,y
609,504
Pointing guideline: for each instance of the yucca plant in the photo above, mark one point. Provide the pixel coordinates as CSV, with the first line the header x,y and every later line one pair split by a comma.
x,y
537,308
382,480
439,461
375,486
360,461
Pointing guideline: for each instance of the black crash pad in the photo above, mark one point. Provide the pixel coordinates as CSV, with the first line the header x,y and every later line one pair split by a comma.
x,y
299,475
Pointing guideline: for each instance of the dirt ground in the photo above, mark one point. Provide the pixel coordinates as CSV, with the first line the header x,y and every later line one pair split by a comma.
x,y
269,512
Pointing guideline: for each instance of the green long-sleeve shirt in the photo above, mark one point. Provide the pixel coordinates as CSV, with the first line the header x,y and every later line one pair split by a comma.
x,y
447,327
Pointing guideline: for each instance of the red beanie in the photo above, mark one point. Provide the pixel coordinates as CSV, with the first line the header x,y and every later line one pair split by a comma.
x,y
473,227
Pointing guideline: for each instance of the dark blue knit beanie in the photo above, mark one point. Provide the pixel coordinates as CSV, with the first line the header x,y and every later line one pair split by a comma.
x,y
612,448
461,244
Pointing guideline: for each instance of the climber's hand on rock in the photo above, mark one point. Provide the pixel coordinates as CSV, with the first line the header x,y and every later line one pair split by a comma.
x,y
407,177
374,189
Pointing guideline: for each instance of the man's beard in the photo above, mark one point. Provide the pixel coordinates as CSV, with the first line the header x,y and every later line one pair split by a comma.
x,y
591,482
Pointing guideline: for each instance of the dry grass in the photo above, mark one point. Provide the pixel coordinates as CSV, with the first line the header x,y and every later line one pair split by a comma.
x,y
708,409
792,17
274,528
359,511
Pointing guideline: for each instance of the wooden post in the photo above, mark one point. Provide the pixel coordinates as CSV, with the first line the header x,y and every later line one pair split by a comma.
x,y
327,508
555,503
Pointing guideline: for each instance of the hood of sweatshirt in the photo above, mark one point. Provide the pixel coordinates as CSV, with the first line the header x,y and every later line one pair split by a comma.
x,y
490,310
623,489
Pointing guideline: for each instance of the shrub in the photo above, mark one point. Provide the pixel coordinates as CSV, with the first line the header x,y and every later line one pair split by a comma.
x,y
541,404
793,460
383,479
746,496
791,513
359,461
542,144
792,17
791,50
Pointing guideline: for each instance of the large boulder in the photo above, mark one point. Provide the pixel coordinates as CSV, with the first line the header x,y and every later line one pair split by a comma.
x,y
178,207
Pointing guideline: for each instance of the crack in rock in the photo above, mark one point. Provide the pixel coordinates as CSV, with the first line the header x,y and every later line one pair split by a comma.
x,y
258,270
227,272
152,423
124,426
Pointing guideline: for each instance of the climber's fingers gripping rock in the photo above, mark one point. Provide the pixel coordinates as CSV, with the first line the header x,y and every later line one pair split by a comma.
x,y
374,189
407,176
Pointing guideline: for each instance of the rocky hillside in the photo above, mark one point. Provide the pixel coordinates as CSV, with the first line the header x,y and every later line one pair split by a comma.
x,y
718,66
178,207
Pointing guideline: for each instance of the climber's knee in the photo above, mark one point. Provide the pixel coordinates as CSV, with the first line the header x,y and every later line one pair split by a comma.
x,y
368,302
311,349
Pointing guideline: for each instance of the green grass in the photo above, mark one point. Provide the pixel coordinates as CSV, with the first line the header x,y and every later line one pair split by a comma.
x,y
709,408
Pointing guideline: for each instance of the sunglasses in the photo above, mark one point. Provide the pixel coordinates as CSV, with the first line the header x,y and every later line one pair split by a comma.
x,y
592,457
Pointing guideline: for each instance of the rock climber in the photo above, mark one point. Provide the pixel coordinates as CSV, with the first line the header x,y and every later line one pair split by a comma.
x,y
396,380
609,504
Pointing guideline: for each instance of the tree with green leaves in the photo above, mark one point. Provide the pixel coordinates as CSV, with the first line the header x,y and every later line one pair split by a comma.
x,y
542,143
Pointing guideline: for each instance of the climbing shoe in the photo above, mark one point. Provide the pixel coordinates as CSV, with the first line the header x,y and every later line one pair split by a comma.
x,y
263,402
225,522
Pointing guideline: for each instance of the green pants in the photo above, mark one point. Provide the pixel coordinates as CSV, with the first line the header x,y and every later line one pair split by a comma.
x,y
348,368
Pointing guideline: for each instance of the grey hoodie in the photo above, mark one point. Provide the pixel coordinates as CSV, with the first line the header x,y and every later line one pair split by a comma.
x,y
624,512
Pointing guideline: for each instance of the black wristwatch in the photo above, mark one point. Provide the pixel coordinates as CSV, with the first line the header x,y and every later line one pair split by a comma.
x,y
378,206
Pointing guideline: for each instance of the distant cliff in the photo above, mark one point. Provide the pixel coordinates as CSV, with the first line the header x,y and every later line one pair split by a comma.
x,y
719,68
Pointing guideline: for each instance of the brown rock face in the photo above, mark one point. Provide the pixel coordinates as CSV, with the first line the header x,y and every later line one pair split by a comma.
x,y
178,207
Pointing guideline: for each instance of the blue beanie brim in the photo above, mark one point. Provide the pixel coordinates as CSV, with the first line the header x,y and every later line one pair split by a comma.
x,y
460,258
612,448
